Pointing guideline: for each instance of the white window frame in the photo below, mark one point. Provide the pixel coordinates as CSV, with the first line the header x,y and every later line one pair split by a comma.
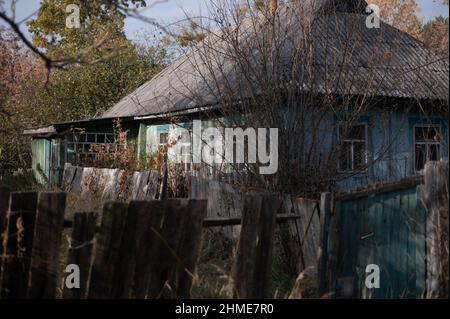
x,y
439,144
347,140
77,144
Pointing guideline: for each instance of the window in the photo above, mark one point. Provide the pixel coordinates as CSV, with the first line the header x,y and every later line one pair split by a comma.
x,y
163,139
427,145
79,145
353,155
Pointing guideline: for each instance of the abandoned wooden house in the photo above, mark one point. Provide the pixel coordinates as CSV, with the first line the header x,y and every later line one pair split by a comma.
x,y
407,88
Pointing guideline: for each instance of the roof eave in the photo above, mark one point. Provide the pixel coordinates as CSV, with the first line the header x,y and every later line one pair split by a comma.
x,y
40,131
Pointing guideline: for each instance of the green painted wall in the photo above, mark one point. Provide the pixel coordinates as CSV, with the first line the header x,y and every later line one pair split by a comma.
x,y
41,159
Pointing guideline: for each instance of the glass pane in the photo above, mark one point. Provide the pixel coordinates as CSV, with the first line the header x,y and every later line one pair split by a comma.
x,y
345,160
109,138
355,132
82,138
163,137
71,147
359,155
91,138
433,152
424,134
100,138
71,158
70,137
420,153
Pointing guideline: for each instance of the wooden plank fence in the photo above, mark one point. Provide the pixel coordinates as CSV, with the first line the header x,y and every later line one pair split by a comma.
x,y
140,249
434,194
252,268
402,227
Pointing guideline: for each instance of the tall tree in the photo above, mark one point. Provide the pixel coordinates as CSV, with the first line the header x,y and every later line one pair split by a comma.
x,y
100,33
401,14
80,92
435,33
18,71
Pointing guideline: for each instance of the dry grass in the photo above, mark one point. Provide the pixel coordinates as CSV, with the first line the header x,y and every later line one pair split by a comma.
x,y
214,268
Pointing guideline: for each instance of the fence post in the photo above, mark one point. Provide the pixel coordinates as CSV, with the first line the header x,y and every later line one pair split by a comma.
x,y
103,273
46,245
325,213
4,204
146,253
137,220
80,252
435,197
190,246
165,254
18,241
251,271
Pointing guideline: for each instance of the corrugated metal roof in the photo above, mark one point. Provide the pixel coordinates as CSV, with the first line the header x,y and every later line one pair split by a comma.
x,y
378,62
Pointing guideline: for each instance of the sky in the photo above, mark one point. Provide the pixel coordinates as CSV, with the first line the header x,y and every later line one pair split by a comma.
x,y
167,11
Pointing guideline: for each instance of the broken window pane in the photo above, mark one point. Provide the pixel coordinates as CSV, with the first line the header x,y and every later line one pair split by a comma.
x,y
427,145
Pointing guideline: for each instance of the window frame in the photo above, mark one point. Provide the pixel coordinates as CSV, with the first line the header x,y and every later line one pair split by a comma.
x,y
439,144
366,148
77,144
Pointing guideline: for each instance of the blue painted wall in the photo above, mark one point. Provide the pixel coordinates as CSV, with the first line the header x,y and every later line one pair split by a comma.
x,y
390,143
391,147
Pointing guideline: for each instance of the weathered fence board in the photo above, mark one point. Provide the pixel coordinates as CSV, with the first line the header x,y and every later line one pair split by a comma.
x,y
104,269
138,218
106,183
435,197
144,249
145,258
300,236
325,227
223,202
46,245
80,252
252,268
189,247
4,205
162,283
18,244
297,237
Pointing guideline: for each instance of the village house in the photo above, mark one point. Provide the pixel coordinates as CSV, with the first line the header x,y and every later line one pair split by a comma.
x,y
408,90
